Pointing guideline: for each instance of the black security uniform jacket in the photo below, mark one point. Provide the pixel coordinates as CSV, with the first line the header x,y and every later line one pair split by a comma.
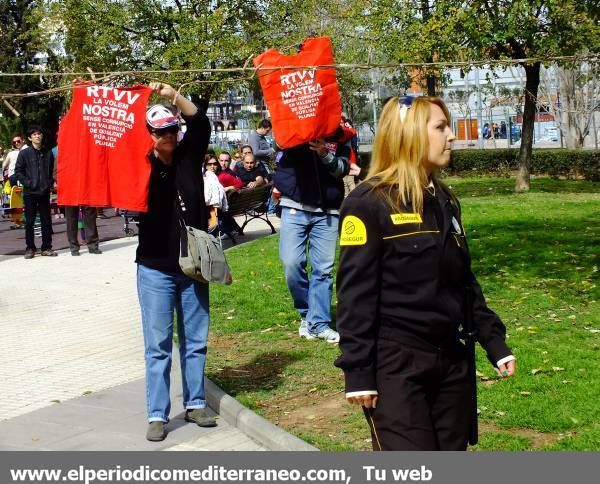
x,y
35,170
159,228
404,273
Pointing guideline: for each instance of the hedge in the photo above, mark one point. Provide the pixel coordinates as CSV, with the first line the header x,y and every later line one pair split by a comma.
x,y
554,162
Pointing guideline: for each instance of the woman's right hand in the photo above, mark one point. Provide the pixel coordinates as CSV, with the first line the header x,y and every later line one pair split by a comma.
x,y
367,401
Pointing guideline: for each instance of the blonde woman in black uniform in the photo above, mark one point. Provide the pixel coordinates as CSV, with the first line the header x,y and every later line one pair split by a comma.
x,y
401,288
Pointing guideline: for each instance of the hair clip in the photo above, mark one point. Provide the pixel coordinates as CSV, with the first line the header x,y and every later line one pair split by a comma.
x,y
405,103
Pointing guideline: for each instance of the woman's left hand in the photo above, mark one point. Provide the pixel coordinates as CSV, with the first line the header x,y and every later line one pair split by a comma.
x,y
507,369
367,401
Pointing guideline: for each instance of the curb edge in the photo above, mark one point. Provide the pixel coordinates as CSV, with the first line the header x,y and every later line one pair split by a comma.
x,y
252,424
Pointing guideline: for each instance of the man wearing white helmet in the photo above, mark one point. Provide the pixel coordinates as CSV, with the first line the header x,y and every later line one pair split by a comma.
x,y
175,179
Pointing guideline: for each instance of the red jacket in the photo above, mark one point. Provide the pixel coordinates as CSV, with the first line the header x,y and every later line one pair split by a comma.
x,y
228,180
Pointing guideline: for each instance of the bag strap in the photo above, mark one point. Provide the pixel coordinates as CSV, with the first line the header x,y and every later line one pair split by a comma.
x,y
180,206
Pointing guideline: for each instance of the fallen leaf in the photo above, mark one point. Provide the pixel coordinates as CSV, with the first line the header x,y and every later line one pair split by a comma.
x,y
535,371
312,390
525,394
557,368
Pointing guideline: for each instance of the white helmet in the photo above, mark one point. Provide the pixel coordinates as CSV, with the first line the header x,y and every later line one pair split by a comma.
x,y
159,117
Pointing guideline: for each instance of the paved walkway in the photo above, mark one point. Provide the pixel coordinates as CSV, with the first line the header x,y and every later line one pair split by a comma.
x,y
72,362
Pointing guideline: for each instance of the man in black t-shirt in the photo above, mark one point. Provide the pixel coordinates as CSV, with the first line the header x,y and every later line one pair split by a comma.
x,y
252,174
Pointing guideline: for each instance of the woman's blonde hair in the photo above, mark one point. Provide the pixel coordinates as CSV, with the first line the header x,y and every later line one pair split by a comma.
x,y
400,149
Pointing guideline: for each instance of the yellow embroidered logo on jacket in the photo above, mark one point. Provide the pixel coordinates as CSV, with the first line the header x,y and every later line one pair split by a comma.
x,y
353,231
406,218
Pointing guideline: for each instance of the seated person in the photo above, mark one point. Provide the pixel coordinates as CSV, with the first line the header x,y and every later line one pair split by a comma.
x,y
237,158
227,178
214,195
252,175
225,162
239,164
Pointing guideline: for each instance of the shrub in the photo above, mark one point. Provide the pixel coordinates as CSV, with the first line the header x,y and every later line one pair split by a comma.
x,y
553,162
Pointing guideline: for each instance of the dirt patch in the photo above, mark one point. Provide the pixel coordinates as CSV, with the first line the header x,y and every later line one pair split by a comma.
x,y
309,411
538,440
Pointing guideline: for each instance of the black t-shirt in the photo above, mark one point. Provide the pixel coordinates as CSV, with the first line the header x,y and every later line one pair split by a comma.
x,y
159,229
250,176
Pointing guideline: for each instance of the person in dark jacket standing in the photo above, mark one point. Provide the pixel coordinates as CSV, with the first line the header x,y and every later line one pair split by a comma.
x,y
404,280
176,187
309,178
35,170
261,148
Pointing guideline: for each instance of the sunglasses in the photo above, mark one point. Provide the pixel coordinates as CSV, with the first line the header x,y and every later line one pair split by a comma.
x,y
17,141
211,164
159,133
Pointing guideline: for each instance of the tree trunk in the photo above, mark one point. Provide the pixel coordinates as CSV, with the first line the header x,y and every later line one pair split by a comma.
x,y
569,122
532,82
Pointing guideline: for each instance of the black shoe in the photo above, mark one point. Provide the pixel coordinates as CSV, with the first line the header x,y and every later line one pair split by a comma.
x,y
200,417
156,432
95,251
75,253
29,253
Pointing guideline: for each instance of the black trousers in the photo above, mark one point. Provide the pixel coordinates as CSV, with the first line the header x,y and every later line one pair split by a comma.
x,y
424,395
89,223
34,204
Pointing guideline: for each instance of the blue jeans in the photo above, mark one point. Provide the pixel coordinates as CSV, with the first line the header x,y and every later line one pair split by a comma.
x,y
315,233
159,294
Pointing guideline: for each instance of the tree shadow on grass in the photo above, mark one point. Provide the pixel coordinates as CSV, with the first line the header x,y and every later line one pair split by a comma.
x,y
264,372
537,249
483,187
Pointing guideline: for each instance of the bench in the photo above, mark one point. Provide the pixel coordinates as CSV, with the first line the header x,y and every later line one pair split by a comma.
x,y
252,203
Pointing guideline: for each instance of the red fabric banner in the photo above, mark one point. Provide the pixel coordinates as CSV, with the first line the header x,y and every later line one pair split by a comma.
x,y
103,145
304,103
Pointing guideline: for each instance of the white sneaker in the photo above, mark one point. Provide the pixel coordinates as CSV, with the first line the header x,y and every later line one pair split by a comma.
x,y
329,335
303,330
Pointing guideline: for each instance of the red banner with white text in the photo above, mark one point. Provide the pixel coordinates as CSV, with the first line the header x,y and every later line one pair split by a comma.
x,y
304,102
103,145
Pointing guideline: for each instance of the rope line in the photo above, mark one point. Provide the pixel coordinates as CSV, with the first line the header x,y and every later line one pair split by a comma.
x,y
260,71
527,60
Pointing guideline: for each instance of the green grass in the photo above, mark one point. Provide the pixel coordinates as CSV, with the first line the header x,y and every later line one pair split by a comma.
x,y
536,256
